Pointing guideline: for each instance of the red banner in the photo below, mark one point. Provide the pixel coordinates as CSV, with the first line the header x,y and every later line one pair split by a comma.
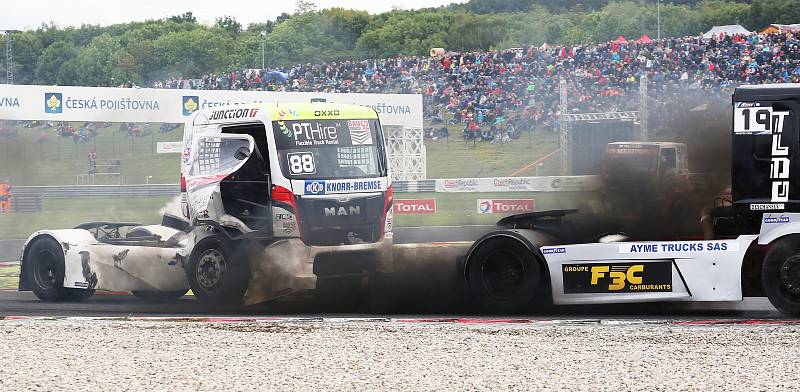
x,y
414,206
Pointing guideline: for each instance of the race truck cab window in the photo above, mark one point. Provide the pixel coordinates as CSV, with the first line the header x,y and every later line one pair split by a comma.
x,y
329,149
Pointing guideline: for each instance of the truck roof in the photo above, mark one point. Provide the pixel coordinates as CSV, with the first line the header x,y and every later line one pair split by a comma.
x,y
290,111
775,91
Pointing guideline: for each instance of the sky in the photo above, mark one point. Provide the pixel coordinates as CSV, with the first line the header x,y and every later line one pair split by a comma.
x,y
30,14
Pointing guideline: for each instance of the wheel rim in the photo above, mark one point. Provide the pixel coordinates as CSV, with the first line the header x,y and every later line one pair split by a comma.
x,y
210,269
790,275
45,269
503,274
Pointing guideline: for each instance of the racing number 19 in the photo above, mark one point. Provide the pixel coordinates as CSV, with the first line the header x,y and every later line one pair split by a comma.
x,y
763,117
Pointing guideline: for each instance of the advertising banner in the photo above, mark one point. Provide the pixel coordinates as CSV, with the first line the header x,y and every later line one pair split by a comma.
x,y
64,103
506,206
519,184
414,206
169,147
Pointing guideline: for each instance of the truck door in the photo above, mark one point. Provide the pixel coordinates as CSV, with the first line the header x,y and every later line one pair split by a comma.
x,y
213,158
764,164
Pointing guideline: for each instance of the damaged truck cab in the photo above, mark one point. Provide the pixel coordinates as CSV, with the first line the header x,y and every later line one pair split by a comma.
x,y
286,194
274,198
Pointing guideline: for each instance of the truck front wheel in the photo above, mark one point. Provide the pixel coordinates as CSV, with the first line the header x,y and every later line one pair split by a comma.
x,y
780,275
503,276
216,276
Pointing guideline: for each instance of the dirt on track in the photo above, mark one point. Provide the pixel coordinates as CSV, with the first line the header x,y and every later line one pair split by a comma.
x,y
177,356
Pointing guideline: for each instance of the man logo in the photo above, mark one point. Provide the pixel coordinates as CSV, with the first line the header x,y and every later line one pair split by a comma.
x,y
315,187
53,103
190,104
341,211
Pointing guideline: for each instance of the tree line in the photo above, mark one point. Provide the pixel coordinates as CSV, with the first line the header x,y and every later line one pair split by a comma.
x,y
180,47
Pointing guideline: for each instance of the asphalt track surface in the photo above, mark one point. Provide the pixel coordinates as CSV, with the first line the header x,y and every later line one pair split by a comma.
x,y
14,303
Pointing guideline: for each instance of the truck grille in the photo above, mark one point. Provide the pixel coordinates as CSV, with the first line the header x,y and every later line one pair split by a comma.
x,y
329,221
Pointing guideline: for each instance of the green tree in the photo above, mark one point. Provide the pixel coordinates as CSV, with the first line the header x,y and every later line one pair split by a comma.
x,y
105,60
229,24
405,33
766,12
185,17
469,31
57,64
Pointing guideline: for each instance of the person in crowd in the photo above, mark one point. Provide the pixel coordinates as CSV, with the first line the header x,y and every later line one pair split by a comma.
x,y
92,162
5,196
483,86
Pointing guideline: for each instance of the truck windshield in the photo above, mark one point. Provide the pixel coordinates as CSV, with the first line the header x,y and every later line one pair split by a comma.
x,y
330,149
637,161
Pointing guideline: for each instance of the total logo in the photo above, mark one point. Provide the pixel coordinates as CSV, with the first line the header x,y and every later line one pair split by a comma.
x,y
415,206
314,187
505,206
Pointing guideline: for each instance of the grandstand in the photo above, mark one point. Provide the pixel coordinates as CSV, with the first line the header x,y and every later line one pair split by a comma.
x,y
487,113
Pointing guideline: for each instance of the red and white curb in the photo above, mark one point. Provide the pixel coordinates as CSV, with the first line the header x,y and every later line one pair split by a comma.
x,y
418,321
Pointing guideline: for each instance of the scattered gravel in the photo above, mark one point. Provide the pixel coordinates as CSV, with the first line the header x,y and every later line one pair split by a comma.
x,y
177,356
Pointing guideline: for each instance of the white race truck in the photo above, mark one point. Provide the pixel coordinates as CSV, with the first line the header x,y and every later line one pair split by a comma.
x,y
749,246
276,197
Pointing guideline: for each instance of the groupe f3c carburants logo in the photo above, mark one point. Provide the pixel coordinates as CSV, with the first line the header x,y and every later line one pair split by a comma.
x,y
654,276
53,103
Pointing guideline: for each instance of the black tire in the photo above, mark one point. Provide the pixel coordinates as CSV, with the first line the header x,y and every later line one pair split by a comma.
x,y
44,272
503,277
157,297
780,275
217,275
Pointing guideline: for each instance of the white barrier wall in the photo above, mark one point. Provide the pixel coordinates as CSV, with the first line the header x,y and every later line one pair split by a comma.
x,y
57,103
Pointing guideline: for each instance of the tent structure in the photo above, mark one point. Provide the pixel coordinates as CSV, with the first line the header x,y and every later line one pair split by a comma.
x,y
781,28
621,40
725,30
644,39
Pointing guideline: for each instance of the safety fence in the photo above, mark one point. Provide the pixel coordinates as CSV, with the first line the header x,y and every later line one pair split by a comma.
x,y
495,184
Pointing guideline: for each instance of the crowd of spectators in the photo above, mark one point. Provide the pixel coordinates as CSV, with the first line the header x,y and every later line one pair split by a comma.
x,y
495,95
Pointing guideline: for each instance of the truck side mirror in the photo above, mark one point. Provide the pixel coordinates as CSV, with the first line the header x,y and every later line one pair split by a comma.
x,y
242,153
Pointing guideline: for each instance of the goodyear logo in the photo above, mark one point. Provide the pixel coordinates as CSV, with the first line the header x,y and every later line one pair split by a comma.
x,y
190,104
618,277
314,187
53,103
776,219
550,251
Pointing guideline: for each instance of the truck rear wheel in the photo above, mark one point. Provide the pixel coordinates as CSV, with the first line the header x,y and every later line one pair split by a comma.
x,y
216,276
44,271
780,275
503,276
